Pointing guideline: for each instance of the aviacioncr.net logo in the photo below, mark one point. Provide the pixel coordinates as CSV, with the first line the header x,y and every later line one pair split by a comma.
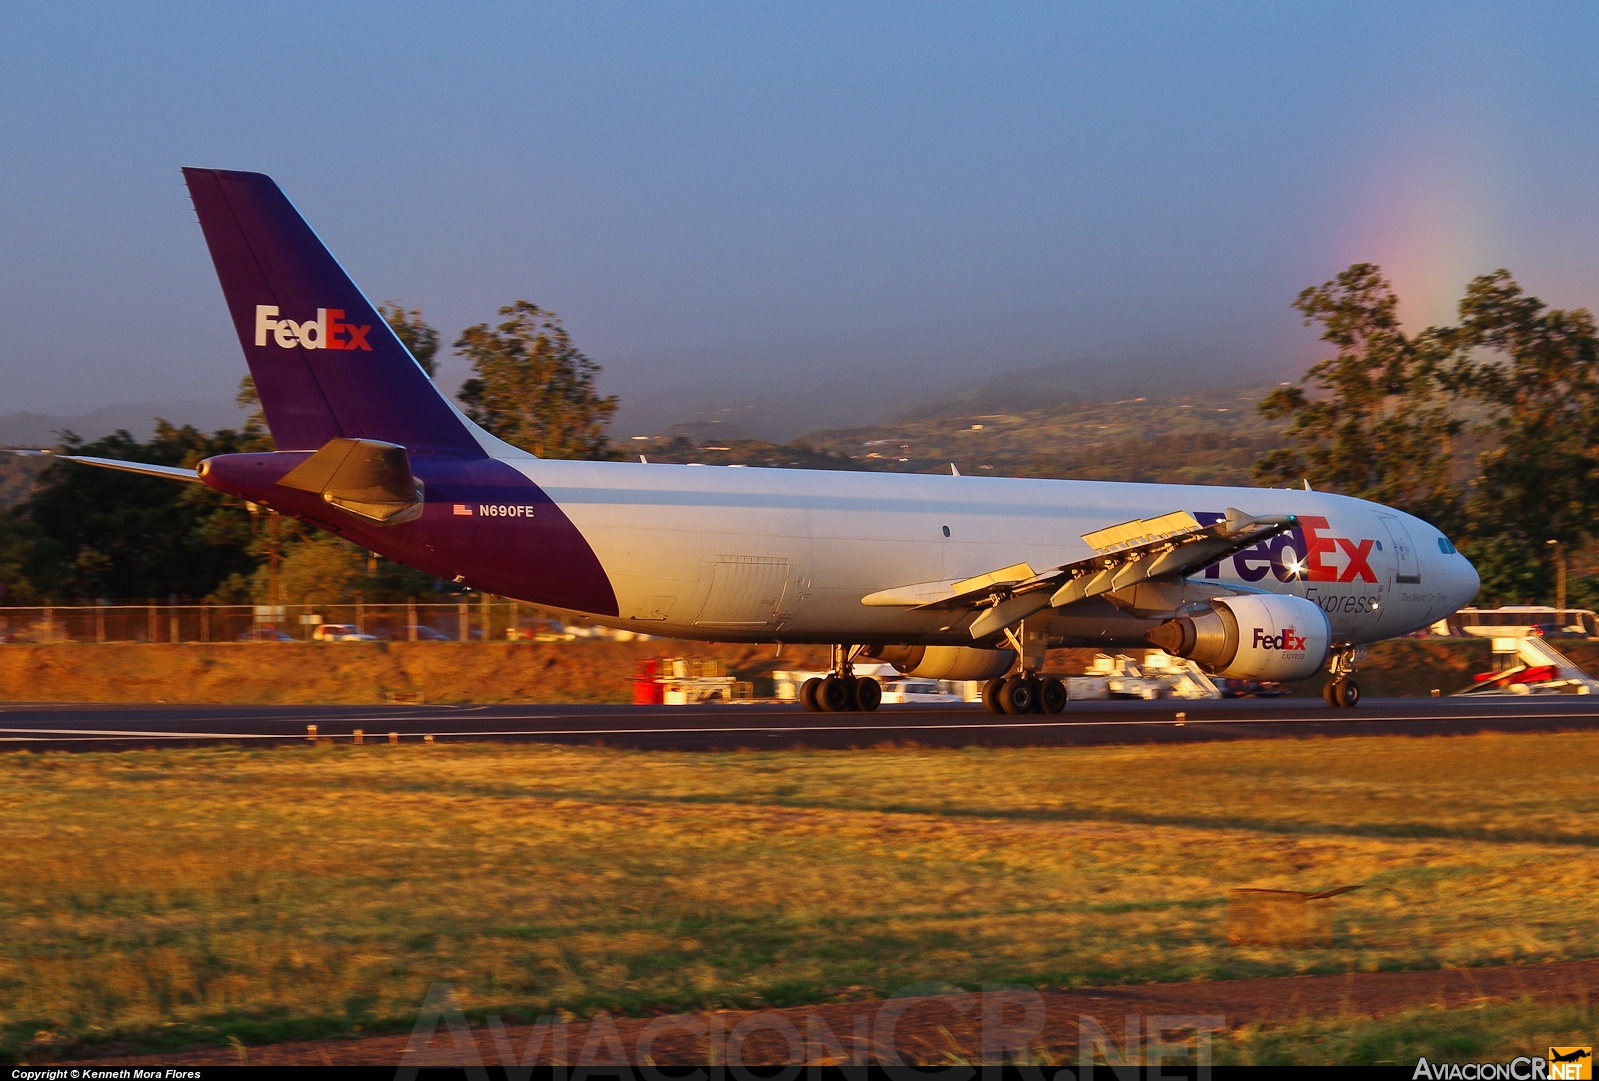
x,y
1287,641
327,331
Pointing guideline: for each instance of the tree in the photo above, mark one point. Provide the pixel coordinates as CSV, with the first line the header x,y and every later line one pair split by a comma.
x,y
1380,428
18,538
421,339
102,534
1537,369
255,433
531,386
1510,571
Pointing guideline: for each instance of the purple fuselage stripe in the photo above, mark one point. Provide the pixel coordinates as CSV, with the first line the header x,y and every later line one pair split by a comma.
x,y
529,550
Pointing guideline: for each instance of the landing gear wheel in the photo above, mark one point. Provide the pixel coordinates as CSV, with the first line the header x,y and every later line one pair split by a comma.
x,y
1348,693
1329,693
1052,695
834,695
868,693
1018,695
991,691
807,695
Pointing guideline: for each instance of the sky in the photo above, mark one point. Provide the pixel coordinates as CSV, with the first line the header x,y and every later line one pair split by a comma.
x,y
794,214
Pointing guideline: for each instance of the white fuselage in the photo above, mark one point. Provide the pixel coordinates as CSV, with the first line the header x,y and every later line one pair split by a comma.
x,y
720,553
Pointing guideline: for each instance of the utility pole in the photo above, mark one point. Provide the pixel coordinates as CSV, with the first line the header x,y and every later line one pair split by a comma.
x,y
272,571
264,521
1560,574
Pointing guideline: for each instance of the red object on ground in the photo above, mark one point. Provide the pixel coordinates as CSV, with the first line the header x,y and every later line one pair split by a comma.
x,y
647,688
1519,675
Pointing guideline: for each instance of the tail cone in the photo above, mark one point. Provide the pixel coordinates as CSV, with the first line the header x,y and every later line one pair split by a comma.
x,y
1175,636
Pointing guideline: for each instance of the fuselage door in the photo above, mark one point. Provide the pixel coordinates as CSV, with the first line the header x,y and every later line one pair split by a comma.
x,y
1408,564
746,591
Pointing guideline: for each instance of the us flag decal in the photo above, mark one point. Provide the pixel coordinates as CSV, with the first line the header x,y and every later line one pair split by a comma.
x,y
462,508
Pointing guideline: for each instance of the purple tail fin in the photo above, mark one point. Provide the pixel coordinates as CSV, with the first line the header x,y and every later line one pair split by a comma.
x,y
325,363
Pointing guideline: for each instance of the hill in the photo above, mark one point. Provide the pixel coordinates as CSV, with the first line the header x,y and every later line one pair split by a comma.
x,y
1209,437
44,429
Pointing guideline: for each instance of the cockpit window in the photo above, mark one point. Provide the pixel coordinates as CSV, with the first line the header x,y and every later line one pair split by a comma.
x,y
1445,547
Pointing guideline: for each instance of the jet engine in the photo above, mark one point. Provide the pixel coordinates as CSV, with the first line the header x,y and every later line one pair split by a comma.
x,y
1251,637
946,662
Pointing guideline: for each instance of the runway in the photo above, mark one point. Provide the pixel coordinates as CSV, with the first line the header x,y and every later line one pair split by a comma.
x,y
73,726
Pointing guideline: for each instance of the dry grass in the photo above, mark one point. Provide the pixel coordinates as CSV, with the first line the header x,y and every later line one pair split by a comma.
x,y
1489,1033
269,893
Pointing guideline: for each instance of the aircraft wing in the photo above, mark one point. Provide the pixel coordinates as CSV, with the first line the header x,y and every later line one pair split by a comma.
x,y
1169,546
171,472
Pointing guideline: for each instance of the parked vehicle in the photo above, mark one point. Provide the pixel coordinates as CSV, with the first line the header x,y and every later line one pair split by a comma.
x,y
265,634
340,632
1249,688
405,634
1555,630
918,692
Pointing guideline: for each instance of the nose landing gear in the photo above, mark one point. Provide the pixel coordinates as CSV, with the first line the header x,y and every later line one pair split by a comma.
x,y
1342,692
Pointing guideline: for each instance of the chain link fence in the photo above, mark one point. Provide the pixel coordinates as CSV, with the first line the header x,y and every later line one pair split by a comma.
x,y
478,620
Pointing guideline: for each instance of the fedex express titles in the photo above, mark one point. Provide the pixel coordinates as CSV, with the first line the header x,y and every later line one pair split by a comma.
x,y
1302,555
327,331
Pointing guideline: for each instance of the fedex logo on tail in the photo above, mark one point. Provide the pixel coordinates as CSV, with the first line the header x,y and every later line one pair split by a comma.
x,y
1301,554
327,331
1287,640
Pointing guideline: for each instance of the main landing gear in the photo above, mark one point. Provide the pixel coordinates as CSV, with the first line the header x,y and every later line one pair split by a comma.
x,y
1342,691
1023,693
843,691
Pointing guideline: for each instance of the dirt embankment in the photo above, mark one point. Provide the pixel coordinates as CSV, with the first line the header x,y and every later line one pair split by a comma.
x,y
354,673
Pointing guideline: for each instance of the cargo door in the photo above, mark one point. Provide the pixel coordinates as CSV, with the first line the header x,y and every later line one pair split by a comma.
x,y
1406,560
746,591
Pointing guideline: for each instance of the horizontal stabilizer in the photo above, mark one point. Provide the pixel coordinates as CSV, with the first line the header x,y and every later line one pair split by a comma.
x,y
363,476
170,472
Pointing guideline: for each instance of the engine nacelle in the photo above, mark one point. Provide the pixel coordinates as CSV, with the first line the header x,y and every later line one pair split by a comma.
x,y
1253,637
947,662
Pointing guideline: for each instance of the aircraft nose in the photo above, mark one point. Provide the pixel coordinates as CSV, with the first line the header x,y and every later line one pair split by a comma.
x,y
1462,578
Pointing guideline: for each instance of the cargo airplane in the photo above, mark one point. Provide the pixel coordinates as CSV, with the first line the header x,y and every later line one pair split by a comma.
x,y
948,577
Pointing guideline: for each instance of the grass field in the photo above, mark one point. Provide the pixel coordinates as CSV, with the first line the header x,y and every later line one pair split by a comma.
x,y
1495,1032
154,897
